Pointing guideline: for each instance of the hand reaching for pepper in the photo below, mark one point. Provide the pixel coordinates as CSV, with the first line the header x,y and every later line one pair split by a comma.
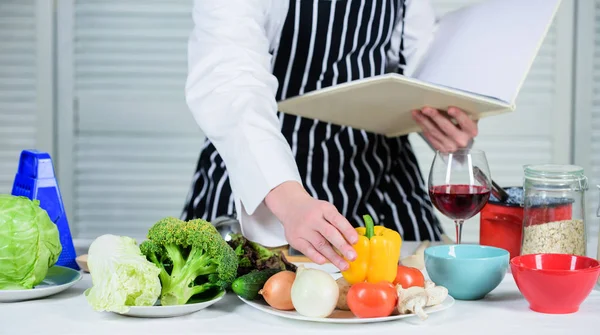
x,y
441,133
313,227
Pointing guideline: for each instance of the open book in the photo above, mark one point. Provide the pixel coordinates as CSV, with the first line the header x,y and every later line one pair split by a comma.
x,y
477,60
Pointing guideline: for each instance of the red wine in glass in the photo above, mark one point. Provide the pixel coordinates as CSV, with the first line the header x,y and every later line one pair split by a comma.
x,y
459,202
460,185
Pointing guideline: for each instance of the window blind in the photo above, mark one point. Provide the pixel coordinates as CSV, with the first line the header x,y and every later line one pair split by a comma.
x,y
25,83
135,142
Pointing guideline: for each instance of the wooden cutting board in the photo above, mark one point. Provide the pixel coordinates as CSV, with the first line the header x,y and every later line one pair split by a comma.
x,y
293,259
82,259
304,259
82,262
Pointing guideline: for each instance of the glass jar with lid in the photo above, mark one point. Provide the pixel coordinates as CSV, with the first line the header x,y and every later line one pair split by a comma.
x,y
554,210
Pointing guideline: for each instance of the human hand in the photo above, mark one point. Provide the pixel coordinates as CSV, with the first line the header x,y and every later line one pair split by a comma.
x,y
312,226
441,133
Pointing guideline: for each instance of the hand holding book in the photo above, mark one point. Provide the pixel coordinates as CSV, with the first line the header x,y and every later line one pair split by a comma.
x,y
477,60
441,133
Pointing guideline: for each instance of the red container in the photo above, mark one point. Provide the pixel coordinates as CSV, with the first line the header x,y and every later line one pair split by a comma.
x,y
501,224
555,283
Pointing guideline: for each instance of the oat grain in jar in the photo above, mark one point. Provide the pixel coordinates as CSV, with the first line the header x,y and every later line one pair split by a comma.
x,y
554,210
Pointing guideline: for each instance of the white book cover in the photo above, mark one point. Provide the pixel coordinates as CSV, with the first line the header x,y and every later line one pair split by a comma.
x,y
477,60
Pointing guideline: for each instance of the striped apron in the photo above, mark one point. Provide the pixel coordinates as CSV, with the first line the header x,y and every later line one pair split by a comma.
x,y
324,43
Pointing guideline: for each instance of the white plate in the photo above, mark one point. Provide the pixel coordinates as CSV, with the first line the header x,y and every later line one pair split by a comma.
x,y
158,311
58,279
339,316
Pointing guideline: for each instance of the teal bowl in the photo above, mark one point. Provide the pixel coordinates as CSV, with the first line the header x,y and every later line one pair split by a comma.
x,y
468,271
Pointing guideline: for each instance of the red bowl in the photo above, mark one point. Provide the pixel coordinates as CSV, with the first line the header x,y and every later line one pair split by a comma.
x,y
555,283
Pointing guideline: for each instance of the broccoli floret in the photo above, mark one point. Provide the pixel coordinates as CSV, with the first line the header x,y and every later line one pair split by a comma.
x,y
253,256
193,257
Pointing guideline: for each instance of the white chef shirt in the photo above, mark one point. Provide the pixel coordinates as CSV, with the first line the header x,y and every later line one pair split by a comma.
x,y
230,91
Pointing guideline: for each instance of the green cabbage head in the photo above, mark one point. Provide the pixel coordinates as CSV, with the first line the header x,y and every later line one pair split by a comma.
x,y
29,243
121,275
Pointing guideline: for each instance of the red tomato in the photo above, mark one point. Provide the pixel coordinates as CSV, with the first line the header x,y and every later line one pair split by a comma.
x,y
408,276
372,300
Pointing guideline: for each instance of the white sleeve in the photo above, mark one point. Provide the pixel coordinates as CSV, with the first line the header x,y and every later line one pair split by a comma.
x,y
230,91
417,29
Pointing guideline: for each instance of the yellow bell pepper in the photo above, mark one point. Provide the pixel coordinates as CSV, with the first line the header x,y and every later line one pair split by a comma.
x,y
378,253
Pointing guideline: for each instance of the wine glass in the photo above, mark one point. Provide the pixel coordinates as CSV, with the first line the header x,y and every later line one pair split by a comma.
x,y
459,185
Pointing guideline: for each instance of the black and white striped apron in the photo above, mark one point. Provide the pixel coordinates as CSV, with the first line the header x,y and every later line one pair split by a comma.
x,y
324,43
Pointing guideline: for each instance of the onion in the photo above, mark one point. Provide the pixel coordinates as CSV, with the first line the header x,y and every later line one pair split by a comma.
x,y
314,293
277,290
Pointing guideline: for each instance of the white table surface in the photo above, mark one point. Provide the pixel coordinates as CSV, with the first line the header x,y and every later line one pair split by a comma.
x,y
504,311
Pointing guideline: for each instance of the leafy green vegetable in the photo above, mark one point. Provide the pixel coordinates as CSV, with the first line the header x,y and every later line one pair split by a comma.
x,y
29,243
253,256
121,275
194,259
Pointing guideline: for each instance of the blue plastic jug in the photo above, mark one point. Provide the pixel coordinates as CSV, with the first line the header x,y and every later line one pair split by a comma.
x,y
35,179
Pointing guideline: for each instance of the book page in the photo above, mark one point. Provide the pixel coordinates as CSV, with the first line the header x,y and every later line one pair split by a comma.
x,y
488,48
383,104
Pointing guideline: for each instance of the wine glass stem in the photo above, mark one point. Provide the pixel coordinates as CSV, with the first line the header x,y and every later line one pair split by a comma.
x,y
459,224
